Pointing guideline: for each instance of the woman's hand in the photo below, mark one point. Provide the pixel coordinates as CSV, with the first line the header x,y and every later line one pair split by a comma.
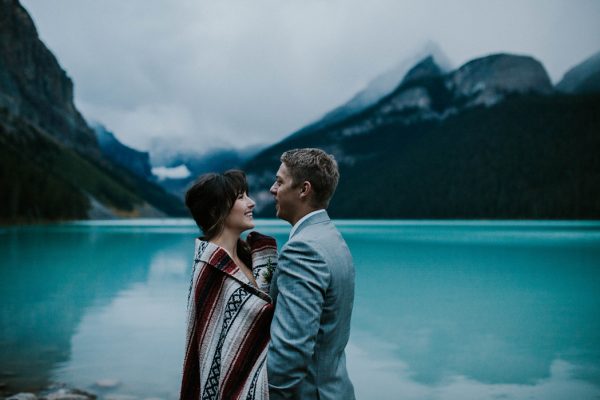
x,y
264,258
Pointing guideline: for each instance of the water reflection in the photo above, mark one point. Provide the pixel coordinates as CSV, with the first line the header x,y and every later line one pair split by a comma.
x,y
50,279
479,311
376,375
138,335
442,310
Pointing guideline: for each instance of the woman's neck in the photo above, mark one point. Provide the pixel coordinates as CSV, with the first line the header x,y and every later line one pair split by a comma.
x,y
228,241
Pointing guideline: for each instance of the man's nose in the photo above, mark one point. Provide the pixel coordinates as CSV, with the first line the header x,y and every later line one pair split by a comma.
x,y
273,189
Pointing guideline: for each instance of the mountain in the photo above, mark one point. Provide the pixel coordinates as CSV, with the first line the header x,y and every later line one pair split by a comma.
x,y
135,161
583,78
51,165
488,140
380,86
427,68
216,160
34,86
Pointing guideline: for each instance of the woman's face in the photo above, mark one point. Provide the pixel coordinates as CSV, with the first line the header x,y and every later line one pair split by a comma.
x,y
240,217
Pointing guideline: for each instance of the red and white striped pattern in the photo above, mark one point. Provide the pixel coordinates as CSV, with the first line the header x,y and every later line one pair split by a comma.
x,y
228,331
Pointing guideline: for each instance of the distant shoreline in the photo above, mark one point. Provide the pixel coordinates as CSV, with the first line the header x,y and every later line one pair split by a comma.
x,y
177,221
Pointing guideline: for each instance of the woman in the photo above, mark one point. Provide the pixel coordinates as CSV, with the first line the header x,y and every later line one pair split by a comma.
x,y
229,309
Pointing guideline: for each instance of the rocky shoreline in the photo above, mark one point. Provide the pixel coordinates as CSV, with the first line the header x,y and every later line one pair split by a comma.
x,y
62,392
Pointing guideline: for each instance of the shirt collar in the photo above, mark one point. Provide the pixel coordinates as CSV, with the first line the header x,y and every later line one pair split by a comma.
x,y
310,214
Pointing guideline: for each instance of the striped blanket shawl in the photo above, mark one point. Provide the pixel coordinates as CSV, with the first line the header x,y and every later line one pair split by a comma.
x,y
228,324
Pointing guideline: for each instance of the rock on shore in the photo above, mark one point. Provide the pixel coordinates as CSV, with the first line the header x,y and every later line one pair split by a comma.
x,y
74,394
60,394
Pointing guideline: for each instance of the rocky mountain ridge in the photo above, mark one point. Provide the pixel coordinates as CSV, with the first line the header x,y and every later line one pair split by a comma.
x,y
379,87
135,161
51,165
34,86
582,78
462,144
425,93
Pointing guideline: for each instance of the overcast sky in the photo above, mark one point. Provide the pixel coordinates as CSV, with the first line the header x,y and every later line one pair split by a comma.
x,y
205,74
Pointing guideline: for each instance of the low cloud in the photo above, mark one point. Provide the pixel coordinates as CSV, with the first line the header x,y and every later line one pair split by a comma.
x,y
233,73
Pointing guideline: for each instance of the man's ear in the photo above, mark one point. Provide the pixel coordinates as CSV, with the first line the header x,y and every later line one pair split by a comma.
x,y
305,190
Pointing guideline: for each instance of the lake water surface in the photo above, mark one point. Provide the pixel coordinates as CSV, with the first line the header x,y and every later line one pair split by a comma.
x,y
443,310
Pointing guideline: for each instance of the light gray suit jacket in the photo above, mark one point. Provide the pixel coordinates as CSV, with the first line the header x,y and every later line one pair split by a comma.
x,y
313,288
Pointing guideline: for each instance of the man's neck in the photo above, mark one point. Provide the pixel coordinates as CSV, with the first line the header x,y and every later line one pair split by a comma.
x,y
303,214
300,221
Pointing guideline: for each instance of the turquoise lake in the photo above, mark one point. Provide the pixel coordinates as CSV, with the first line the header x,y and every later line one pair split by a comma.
x,y
443,310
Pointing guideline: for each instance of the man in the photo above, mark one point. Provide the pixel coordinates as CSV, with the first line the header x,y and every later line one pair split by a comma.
x,y
313,287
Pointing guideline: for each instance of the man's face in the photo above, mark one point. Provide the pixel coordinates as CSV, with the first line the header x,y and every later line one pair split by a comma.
x,y
286,195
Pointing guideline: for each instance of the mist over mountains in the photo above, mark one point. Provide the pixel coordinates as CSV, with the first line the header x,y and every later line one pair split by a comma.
x,y
490,139
215,160
135,161
379,87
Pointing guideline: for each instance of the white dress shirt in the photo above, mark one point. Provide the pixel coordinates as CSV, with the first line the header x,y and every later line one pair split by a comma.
x,y
297,224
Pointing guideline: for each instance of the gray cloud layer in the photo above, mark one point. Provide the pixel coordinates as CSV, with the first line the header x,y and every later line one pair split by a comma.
x,y
207,74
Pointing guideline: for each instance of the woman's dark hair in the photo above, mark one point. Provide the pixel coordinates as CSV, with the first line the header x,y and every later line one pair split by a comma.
x,y
210,200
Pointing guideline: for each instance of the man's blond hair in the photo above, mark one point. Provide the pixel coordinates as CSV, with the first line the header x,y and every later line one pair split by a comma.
x,y
318,168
